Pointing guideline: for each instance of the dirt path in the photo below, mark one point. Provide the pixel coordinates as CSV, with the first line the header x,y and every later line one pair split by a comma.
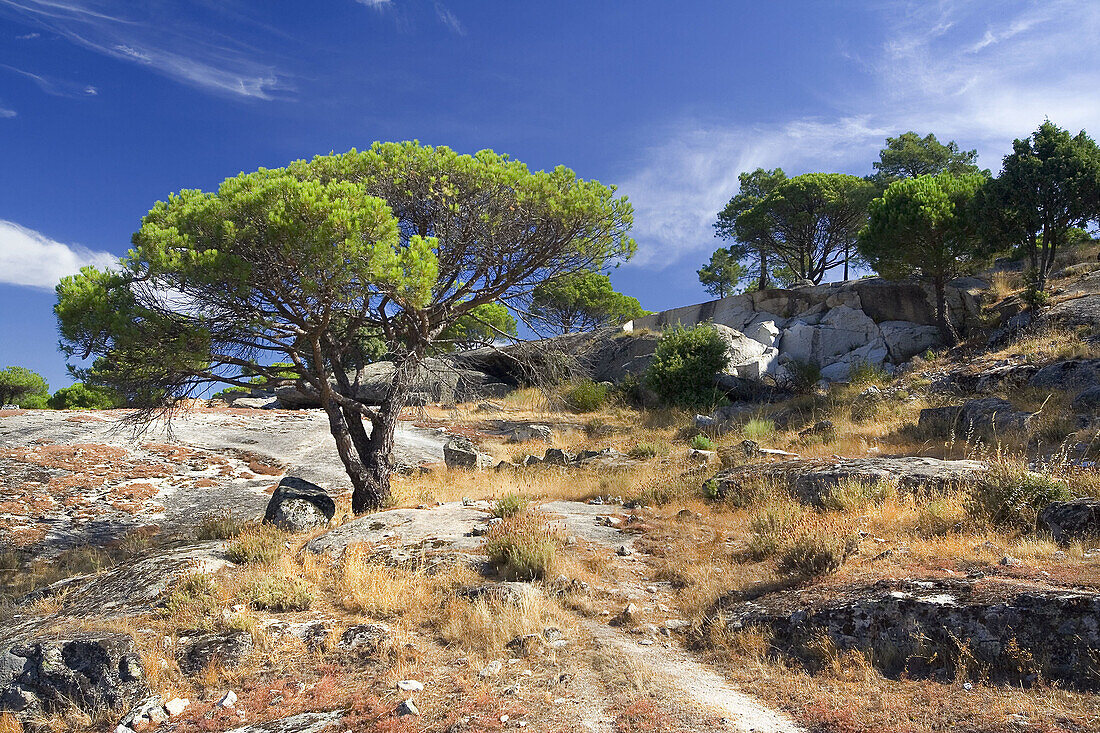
x,y
684,677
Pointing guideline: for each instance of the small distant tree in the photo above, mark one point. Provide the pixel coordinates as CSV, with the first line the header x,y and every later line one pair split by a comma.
x,y
1049,185
810,223
79,396
746,245
721,275
909,155
925,226
19,385
305,264
482,326
581,302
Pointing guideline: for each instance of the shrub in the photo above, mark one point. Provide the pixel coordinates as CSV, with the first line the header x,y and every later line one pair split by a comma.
x,y
220,526
817,551
769,528
684,366
801,376
82,397
758,428
258,546
642,451
702,442
1010,496
17,384
279,593
586,396
866,374
939,516
35,402
521,548
194,603
855,495
510,505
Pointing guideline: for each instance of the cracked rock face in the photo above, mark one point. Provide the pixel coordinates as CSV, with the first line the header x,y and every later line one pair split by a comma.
x,y
89,672
811,481
1012,631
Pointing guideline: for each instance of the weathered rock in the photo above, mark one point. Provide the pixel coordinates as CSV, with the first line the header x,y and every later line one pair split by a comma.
x,y
257,403
88,672
527,645
370,639
300,723
1088,401
531,431
225,649
506,592
409,537
1017,632
812,481
460,452
1069,521
298,505
558,457
983,417
1075,375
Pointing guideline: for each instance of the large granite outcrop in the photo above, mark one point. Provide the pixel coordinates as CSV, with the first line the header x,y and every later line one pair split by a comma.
x,y
836,326
811,481
1002,629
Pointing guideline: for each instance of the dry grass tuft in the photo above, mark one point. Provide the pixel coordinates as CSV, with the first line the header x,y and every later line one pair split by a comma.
x,y
523,547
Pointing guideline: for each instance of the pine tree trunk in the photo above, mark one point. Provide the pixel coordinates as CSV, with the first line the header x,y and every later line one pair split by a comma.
x,y
947,329
376,455
763,271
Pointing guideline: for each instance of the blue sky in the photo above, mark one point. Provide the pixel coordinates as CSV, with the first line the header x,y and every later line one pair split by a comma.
x,y
106,107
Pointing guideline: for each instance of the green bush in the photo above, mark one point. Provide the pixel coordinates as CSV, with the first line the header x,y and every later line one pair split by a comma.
x,y
1010,496
279,593
586,396
684,366
802,376
702,442
644,450
82,397
510,505
758,428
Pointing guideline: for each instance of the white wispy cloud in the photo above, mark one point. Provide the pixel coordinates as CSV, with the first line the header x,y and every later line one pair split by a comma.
x,y
943,68
159,37
449,19
53,86
7,114
376,4
33,260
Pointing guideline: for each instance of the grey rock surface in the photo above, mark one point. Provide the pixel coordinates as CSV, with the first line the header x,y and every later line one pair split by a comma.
x,y
811,481
86,672
915,627
300,723
1070,521
1075,375
982,417
225,649
298,505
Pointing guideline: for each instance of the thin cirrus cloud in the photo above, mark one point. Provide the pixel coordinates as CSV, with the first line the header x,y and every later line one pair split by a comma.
x,y
33,260
53,86
442,13
943,68
156,36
